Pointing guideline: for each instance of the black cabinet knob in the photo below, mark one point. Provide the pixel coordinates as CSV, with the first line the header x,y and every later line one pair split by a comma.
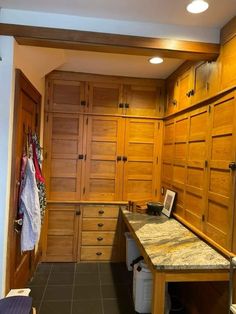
x,y
99,238
100,225
232,165
101,211
99,253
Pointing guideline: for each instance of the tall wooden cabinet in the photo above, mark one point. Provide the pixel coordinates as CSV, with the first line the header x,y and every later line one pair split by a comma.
x,y
199,153
102,144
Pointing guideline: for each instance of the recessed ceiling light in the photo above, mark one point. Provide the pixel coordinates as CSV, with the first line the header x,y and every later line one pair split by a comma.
x,y
155,60
197,6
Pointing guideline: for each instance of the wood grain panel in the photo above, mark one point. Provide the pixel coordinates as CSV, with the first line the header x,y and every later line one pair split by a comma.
x,y
100,211
228,70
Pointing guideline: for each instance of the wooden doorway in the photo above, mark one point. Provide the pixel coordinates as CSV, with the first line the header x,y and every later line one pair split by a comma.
x,y
27,108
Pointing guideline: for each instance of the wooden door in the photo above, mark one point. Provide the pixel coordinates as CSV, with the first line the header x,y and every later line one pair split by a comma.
x,y
196,170
63,222
66,96
26,118
200,81
220,178
172,96
140,159
105,97
185,88
179,161
143,100
64,155
103,165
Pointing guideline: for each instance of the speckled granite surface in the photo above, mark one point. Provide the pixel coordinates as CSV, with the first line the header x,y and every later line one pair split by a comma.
x,y
171,246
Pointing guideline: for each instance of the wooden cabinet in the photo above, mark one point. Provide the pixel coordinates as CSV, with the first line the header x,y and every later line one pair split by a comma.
x,y
199,154
122,158
63,229
185,85
228,65
100,233
64,150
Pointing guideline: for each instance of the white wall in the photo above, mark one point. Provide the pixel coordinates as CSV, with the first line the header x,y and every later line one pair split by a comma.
x,y
6,122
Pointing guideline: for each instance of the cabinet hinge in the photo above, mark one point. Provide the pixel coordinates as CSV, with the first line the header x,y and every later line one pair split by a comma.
x,y
83,103
83,190
209,109
206,163
157,159
158,125
203,217
85,157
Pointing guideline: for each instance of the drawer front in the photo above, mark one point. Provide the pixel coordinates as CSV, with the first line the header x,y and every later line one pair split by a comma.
x,y
101,211
98,238
98,253
99,224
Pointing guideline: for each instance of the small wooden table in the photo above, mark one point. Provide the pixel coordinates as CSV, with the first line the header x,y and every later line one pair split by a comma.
x,y
173,254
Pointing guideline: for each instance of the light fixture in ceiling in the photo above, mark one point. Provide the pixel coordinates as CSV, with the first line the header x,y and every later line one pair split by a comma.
x,y
155,60
197,6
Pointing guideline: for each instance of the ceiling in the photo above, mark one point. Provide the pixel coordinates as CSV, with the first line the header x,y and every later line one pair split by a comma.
x,y
168,12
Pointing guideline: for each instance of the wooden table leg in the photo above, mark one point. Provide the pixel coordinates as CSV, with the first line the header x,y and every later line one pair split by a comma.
x,y
158,293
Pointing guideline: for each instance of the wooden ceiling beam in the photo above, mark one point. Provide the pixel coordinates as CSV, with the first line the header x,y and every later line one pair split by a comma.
x,y
113,43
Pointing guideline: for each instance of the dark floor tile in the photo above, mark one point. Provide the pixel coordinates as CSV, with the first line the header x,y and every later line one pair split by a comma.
x,y
63,267
61,278
85,307
86,279
44,268
55,307
112,278
59,293
116,291
87,268
111,267
39,279
118,306
91,292
37,292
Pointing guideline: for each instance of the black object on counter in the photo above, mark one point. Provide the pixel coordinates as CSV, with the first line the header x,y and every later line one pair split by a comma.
x,y
154,208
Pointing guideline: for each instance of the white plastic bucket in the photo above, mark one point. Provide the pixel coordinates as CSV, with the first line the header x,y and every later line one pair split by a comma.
x,y
132,251
142,290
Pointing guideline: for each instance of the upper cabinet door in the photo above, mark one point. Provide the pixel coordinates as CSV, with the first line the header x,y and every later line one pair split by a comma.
x,y
185,89
228,64
105,98
200,81
143,100
140,159
65,96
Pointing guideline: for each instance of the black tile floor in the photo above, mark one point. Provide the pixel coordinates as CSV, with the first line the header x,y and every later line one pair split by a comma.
x,y
84,288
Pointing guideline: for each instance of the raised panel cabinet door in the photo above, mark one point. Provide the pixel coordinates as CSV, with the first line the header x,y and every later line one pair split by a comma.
x,y
103,169
63,140
66,96
228,64
197,151
200,81
220,178
185,89
172,96
61,235
143,100
141,159
167,153
105,98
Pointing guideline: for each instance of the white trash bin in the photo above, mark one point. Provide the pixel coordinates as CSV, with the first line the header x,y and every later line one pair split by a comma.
x,y
142,290
132,251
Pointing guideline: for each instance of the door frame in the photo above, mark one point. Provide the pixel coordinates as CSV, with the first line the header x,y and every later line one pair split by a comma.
x,y
21,83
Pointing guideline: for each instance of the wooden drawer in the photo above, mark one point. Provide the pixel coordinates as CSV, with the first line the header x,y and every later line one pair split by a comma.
x,y
98,253
100,211
98,238
107,224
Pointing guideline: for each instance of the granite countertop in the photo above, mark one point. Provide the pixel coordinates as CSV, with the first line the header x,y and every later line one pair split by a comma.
x,y
171,246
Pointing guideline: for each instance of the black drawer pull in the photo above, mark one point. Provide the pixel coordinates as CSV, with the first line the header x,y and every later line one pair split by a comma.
x,y
99,253
101,211
99,238
100,225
